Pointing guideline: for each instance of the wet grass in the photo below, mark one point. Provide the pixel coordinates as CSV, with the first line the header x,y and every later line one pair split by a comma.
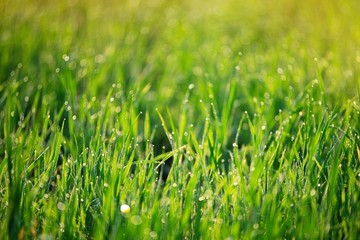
x,y
211,120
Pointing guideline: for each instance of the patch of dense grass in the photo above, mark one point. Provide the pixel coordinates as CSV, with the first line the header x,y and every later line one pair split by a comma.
x,y
211,120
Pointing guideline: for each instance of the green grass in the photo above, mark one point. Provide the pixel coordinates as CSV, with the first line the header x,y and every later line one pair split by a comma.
x,y
255,103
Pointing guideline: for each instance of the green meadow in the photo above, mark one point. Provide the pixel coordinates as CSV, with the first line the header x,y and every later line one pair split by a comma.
x,y
156,119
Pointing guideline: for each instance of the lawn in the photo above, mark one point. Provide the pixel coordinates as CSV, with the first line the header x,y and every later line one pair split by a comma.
x,y
156,119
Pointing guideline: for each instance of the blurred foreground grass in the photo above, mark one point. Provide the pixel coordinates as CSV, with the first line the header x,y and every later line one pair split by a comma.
x,y
255,104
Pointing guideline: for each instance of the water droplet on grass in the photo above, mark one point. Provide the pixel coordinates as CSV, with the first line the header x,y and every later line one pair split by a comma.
x,y
61,206
100,58
153,234
136,220
312,192
124,208
66,57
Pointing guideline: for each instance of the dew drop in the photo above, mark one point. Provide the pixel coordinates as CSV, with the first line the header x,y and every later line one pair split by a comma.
x,y
124,208
312,192
61,206
136,220
153,234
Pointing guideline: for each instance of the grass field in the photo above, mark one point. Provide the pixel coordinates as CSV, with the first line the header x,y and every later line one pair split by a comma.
x,y
216,119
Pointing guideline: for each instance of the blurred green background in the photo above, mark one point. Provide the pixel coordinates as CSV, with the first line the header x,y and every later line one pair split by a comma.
x,y
254,89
